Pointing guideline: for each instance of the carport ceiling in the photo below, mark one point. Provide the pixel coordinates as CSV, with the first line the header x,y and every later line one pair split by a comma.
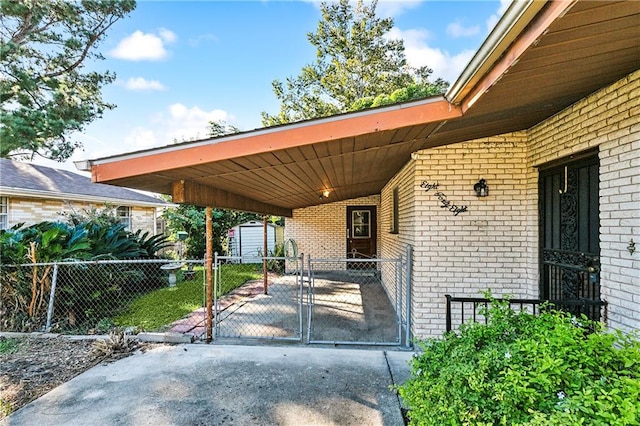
x,y
275,170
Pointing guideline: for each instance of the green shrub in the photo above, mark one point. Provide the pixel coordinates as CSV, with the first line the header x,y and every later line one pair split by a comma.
x,y
551,369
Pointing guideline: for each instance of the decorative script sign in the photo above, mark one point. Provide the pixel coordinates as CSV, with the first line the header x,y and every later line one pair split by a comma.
x,y
444,202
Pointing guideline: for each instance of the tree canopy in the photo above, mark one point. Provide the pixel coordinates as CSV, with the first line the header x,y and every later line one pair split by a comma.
x,y
355,64
45,93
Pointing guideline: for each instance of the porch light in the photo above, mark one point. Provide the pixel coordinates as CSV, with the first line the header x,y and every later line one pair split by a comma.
x,y
326,193
481,189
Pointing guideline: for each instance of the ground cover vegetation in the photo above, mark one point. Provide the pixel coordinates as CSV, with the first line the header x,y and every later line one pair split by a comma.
x,y
33,366
523,369
159,308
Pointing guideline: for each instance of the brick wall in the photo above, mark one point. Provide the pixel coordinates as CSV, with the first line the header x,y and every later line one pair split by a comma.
x,y
143,218
494,243
489,245
609,120
393,245
320,231
34,210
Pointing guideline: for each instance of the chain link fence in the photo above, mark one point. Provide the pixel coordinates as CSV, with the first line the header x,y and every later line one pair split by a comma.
x,y
355,301
80,297
338,301
265,306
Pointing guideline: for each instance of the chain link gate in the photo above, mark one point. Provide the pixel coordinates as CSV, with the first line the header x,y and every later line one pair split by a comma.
x,y
356,301
263,307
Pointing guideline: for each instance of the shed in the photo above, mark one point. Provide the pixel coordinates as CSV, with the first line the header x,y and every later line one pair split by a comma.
x,y
246,240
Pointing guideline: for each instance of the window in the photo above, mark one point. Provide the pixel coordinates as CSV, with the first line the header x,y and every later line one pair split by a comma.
x,y
4,212
361,224
394,212
124,216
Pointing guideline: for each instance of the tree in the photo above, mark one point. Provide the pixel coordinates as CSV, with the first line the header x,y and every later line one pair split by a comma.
x,y
354,61
191,219
221,128
413,91
45,94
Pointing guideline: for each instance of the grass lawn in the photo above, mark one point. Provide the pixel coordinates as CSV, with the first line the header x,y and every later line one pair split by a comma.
x,y
161,307
8,346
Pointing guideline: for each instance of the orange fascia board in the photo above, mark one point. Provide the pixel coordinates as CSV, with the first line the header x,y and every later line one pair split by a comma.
x,y
554,10
267,140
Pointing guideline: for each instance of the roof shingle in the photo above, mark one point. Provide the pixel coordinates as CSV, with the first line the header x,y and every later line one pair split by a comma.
x,y
17,176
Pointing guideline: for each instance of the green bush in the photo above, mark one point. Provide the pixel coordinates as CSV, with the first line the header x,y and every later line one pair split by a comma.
x,y
521,369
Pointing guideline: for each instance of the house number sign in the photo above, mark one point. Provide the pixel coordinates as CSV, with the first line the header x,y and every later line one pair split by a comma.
x,y
444,202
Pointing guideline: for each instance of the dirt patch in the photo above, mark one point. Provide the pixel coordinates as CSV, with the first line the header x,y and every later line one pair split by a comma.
x,y
32,366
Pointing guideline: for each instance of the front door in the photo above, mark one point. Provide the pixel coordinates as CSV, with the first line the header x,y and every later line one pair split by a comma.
x,y
361,233
569,230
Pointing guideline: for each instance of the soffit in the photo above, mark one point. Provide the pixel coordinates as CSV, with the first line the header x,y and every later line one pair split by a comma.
x,y
593,45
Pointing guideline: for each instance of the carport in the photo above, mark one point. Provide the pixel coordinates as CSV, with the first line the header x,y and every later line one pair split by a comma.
x,y
541,58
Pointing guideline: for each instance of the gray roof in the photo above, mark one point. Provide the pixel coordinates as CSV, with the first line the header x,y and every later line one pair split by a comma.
x,y
32,179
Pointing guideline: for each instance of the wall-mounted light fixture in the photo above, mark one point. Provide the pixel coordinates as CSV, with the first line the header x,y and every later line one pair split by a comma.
x,y
481,188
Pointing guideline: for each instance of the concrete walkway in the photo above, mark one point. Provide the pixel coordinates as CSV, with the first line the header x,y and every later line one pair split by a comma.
x,y
199,384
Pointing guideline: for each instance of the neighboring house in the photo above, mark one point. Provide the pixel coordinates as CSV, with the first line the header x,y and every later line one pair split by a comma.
x,y
529,164
32,193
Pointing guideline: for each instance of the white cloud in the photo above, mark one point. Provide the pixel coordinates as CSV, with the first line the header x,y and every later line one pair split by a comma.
x,y
194,41
141,138
456,29
167,35
177,123
445,65
140,46
191,123
493,19
142,84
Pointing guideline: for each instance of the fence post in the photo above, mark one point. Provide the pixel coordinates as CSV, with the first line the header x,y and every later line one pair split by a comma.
x,y
300,272
448,314
409,256
265,282
54,280
208,272
309,296
216,277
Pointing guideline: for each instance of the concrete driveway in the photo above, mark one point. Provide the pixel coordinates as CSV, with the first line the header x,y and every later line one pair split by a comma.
x,y
199,384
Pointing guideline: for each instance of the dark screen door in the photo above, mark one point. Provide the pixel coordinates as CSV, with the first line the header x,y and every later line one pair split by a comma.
x,y
361,232
569,231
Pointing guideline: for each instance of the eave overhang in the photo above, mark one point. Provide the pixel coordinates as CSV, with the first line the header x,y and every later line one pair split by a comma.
x,y
7,191
542,57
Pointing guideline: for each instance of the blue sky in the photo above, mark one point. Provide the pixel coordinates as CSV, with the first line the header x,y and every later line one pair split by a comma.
x,y
180,64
